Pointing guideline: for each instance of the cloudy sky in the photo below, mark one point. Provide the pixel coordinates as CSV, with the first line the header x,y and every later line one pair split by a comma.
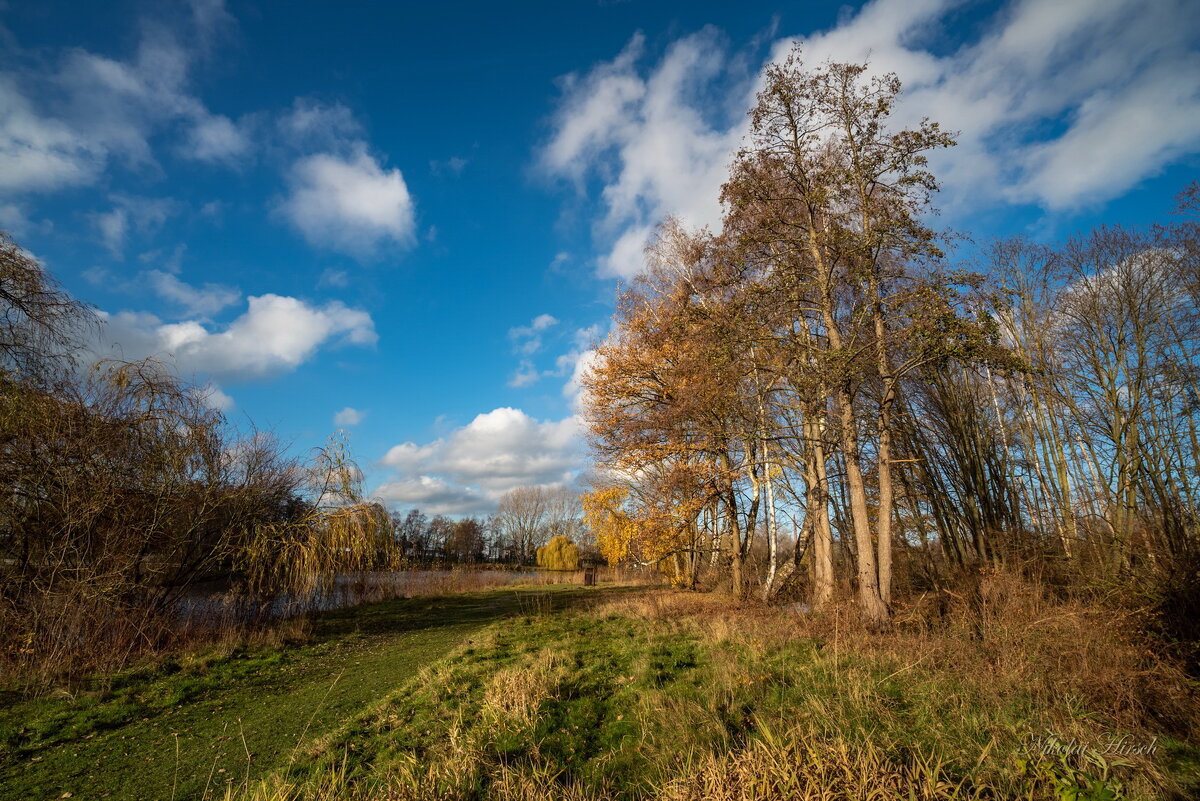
x,y
409,223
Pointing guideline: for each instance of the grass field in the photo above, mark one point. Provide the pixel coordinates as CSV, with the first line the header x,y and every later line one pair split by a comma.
x,y
188,727
592,693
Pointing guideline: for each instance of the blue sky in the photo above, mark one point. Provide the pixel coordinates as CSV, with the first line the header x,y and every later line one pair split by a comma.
x,y
408,220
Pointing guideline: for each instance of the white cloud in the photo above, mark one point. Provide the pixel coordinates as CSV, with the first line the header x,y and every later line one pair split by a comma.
x,y
203,301
334,278
626,256
143,214
171,261
349,417
580,365
312,125
1117,138
527,339
211,18
13,219
64,126
471,467
659,141
349,203
67,124
452,166
113,226
435,496
275,334
211,396
565,365
1060,103
216,138
525,374
38,153
559,261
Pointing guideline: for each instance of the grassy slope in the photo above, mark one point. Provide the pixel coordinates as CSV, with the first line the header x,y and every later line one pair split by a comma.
x,y
668,702
183,729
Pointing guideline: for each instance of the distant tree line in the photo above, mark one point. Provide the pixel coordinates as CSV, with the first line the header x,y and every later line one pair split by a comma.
x,y
526,519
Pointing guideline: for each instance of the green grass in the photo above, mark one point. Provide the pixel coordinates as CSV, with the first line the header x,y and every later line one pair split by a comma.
x,y
186,727
587,693
609,705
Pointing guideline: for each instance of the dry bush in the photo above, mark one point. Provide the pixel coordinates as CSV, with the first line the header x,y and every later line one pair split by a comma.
x,y
1010,633
659,605
1085,674
1090,671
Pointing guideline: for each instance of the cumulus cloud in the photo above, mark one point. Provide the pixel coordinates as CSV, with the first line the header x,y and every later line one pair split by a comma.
x,y
349,417
349,203
1059,103
67,119
471,467
275,334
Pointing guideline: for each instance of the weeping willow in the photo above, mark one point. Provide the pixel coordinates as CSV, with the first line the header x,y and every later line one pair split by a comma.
x,y
339,532
559,554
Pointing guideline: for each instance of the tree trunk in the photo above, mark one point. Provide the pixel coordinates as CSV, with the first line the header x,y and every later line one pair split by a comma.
x,y
818,514
869,599
886,495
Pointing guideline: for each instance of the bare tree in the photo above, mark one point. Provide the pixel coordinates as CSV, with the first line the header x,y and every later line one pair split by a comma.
x,y
40,324
522,516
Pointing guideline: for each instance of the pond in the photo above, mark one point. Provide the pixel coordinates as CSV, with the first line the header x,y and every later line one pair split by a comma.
x,y
206,603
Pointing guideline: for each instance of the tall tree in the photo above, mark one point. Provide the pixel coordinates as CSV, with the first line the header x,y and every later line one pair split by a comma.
x,y
830,200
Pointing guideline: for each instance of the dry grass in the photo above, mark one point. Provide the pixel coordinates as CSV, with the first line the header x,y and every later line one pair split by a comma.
x,y
513,695
798,765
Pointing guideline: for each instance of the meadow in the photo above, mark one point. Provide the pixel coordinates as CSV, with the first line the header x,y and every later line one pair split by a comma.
x,y
624,692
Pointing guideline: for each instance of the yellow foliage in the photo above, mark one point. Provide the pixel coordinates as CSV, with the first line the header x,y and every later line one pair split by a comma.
x,y
559,554
606,517
645,535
